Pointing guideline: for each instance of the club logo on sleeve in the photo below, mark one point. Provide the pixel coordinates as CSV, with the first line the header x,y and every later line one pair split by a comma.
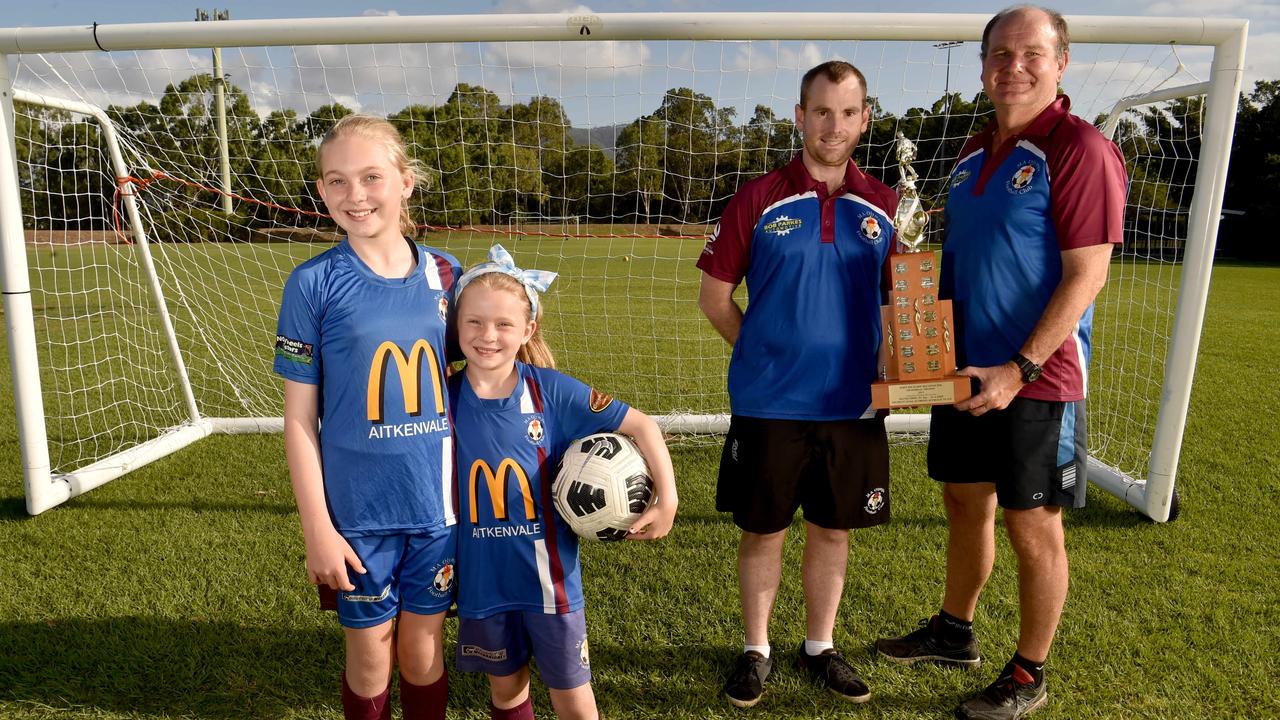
x,y
443,582
444,308
870,229
959,178
708,249
599,401
875,501
1021,180
295,350
783,225
534,431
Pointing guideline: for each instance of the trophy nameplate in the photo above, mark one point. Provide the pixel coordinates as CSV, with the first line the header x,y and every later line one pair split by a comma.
x,y
917,359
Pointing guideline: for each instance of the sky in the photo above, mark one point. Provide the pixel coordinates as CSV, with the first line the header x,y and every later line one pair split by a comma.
x,y
383,80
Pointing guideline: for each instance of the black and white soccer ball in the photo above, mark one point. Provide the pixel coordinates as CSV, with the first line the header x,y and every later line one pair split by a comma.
x,y
602,487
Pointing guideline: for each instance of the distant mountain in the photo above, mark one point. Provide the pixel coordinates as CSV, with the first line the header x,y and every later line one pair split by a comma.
x,y
605,136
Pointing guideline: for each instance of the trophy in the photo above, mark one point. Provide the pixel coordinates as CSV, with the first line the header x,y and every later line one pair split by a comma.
x,y
917,344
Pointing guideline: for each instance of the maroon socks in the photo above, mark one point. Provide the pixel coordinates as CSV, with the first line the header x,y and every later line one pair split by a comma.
x,y
523,711
356,707
425,702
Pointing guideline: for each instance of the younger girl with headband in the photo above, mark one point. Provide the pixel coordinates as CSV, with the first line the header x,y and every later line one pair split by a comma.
x,y
519,582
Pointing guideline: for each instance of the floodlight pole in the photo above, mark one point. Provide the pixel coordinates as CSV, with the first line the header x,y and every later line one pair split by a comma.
x,y
946,87
220,109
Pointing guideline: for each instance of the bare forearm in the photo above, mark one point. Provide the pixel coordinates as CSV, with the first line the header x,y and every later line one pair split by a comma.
x,y
1084,274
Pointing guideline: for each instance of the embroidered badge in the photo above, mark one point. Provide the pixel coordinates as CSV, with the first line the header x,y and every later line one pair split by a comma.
x,y
534,431
599,401
1021,180
870,229
875,501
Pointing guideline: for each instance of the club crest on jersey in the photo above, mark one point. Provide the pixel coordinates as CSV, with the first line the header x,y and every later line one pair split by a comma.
x,y
442,584
875,501
534,431
959,178
1021,180
782,225
444,309
870,229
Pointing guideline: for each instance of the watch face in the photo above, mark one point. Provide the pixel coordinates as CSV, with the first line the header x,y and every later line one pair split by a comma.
x,y
1031,375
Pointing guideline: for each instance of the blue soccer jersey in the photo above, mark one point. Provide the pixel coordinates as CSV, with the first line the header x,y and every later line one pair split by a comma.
x,y
813,263
514,551
1057,186
375,346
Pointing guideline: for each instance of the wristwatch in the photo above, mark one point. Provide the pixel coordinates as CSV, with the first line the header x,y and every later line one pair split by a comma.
x,y
1030,371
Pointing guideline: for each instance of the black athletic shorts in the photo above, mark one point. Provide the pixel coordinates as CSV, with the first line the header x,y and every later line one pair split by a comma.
x,y
837,470
1034,451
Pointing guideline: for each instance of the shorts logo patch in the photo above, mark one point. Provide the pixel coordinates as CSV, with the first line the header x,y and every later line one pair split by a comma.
x,y
584,657
295,350
875,501
443,582
783,225
1021,180
1038,496
733,450
599,401
484,653
870,229
535,431
352,597
444,308
1069,476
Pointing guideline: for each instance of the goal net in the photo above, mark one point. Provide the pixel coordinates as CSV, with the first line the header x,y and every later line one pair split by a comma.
x,y
164,199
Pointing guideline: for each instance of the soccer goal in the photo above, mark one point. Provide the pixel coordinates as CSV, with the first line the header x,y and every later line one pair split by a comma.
x,y
152,206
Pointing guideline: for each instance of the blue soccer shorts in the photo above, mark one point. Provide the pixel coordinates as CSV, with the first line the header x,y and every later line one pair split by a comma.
x,y
502,644
403,572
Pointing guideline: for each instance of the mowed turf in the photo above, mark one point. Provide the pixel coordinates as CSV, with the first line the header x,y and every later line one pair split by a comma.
x,y
178,591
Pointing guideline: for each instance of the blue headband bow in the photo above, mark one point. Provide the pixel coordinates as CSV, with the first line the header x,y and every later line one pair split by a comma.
x,y
500,261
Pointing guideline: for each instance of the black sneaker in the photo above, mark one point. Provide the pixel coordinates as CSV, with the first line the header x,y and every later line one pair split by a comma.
x,y
925,644
1008,698
830,669
746,683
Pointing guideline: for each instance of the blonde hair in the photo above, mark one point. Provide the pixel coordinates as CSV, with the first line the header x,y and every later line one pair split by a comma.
x,y
381,131
535,351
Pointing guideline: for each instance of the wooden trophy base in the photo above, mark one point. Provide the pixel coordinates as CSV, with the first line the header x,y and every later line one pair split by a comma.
x,y
893,394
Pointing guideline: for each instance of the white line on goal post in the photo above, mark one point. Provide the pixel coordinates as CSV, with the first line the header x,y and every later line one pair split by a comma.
x,y
1151,494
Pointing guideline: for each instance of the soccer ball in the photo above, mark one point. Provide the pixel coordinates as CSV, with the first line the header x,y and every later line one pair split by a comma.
x,y
602,487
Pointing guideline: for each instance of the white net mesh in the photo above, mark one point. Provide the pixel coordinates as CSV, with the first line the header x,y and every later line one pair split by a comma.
x,y
605,162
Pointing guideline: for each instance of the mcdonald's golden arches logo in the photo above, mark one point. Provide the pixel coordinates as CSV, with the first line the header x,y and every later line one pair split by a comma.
x,y
410,369
497,484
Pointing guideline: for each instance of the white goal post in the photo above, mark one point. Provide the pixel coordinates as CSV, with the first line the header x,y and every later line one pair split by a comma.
x,y
140,314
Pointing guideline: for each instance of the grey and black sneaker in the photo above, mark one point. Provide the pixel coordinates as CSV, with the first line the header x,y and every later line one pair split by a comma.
x,y
1010,697
746,683
831,669
927,644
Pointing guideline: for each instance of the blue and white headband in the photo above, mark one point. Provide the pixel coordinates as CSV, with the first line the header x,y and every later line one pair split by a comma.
x,y
500,261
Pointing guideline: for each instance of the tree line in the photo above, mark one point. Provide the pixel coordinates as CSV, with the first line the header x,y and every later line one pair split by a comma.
x,y
485,160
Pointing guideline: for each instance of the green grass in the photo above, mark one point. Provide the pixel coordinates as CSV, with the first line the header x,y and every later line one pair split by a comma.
x,y
178,591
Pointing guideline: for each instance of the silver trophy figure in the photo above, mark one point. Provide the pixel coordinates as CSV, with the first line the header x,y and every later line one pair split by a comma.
x,y
910,218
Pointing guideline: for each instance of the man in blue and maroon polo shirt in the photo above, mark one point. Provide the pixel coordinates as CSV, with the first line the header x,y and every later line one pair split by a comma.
x,y
1035,205
810,240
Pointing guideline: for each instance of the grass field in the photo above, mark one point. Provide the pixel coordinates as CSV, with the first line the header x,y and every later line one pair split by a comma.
x,y
178,591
